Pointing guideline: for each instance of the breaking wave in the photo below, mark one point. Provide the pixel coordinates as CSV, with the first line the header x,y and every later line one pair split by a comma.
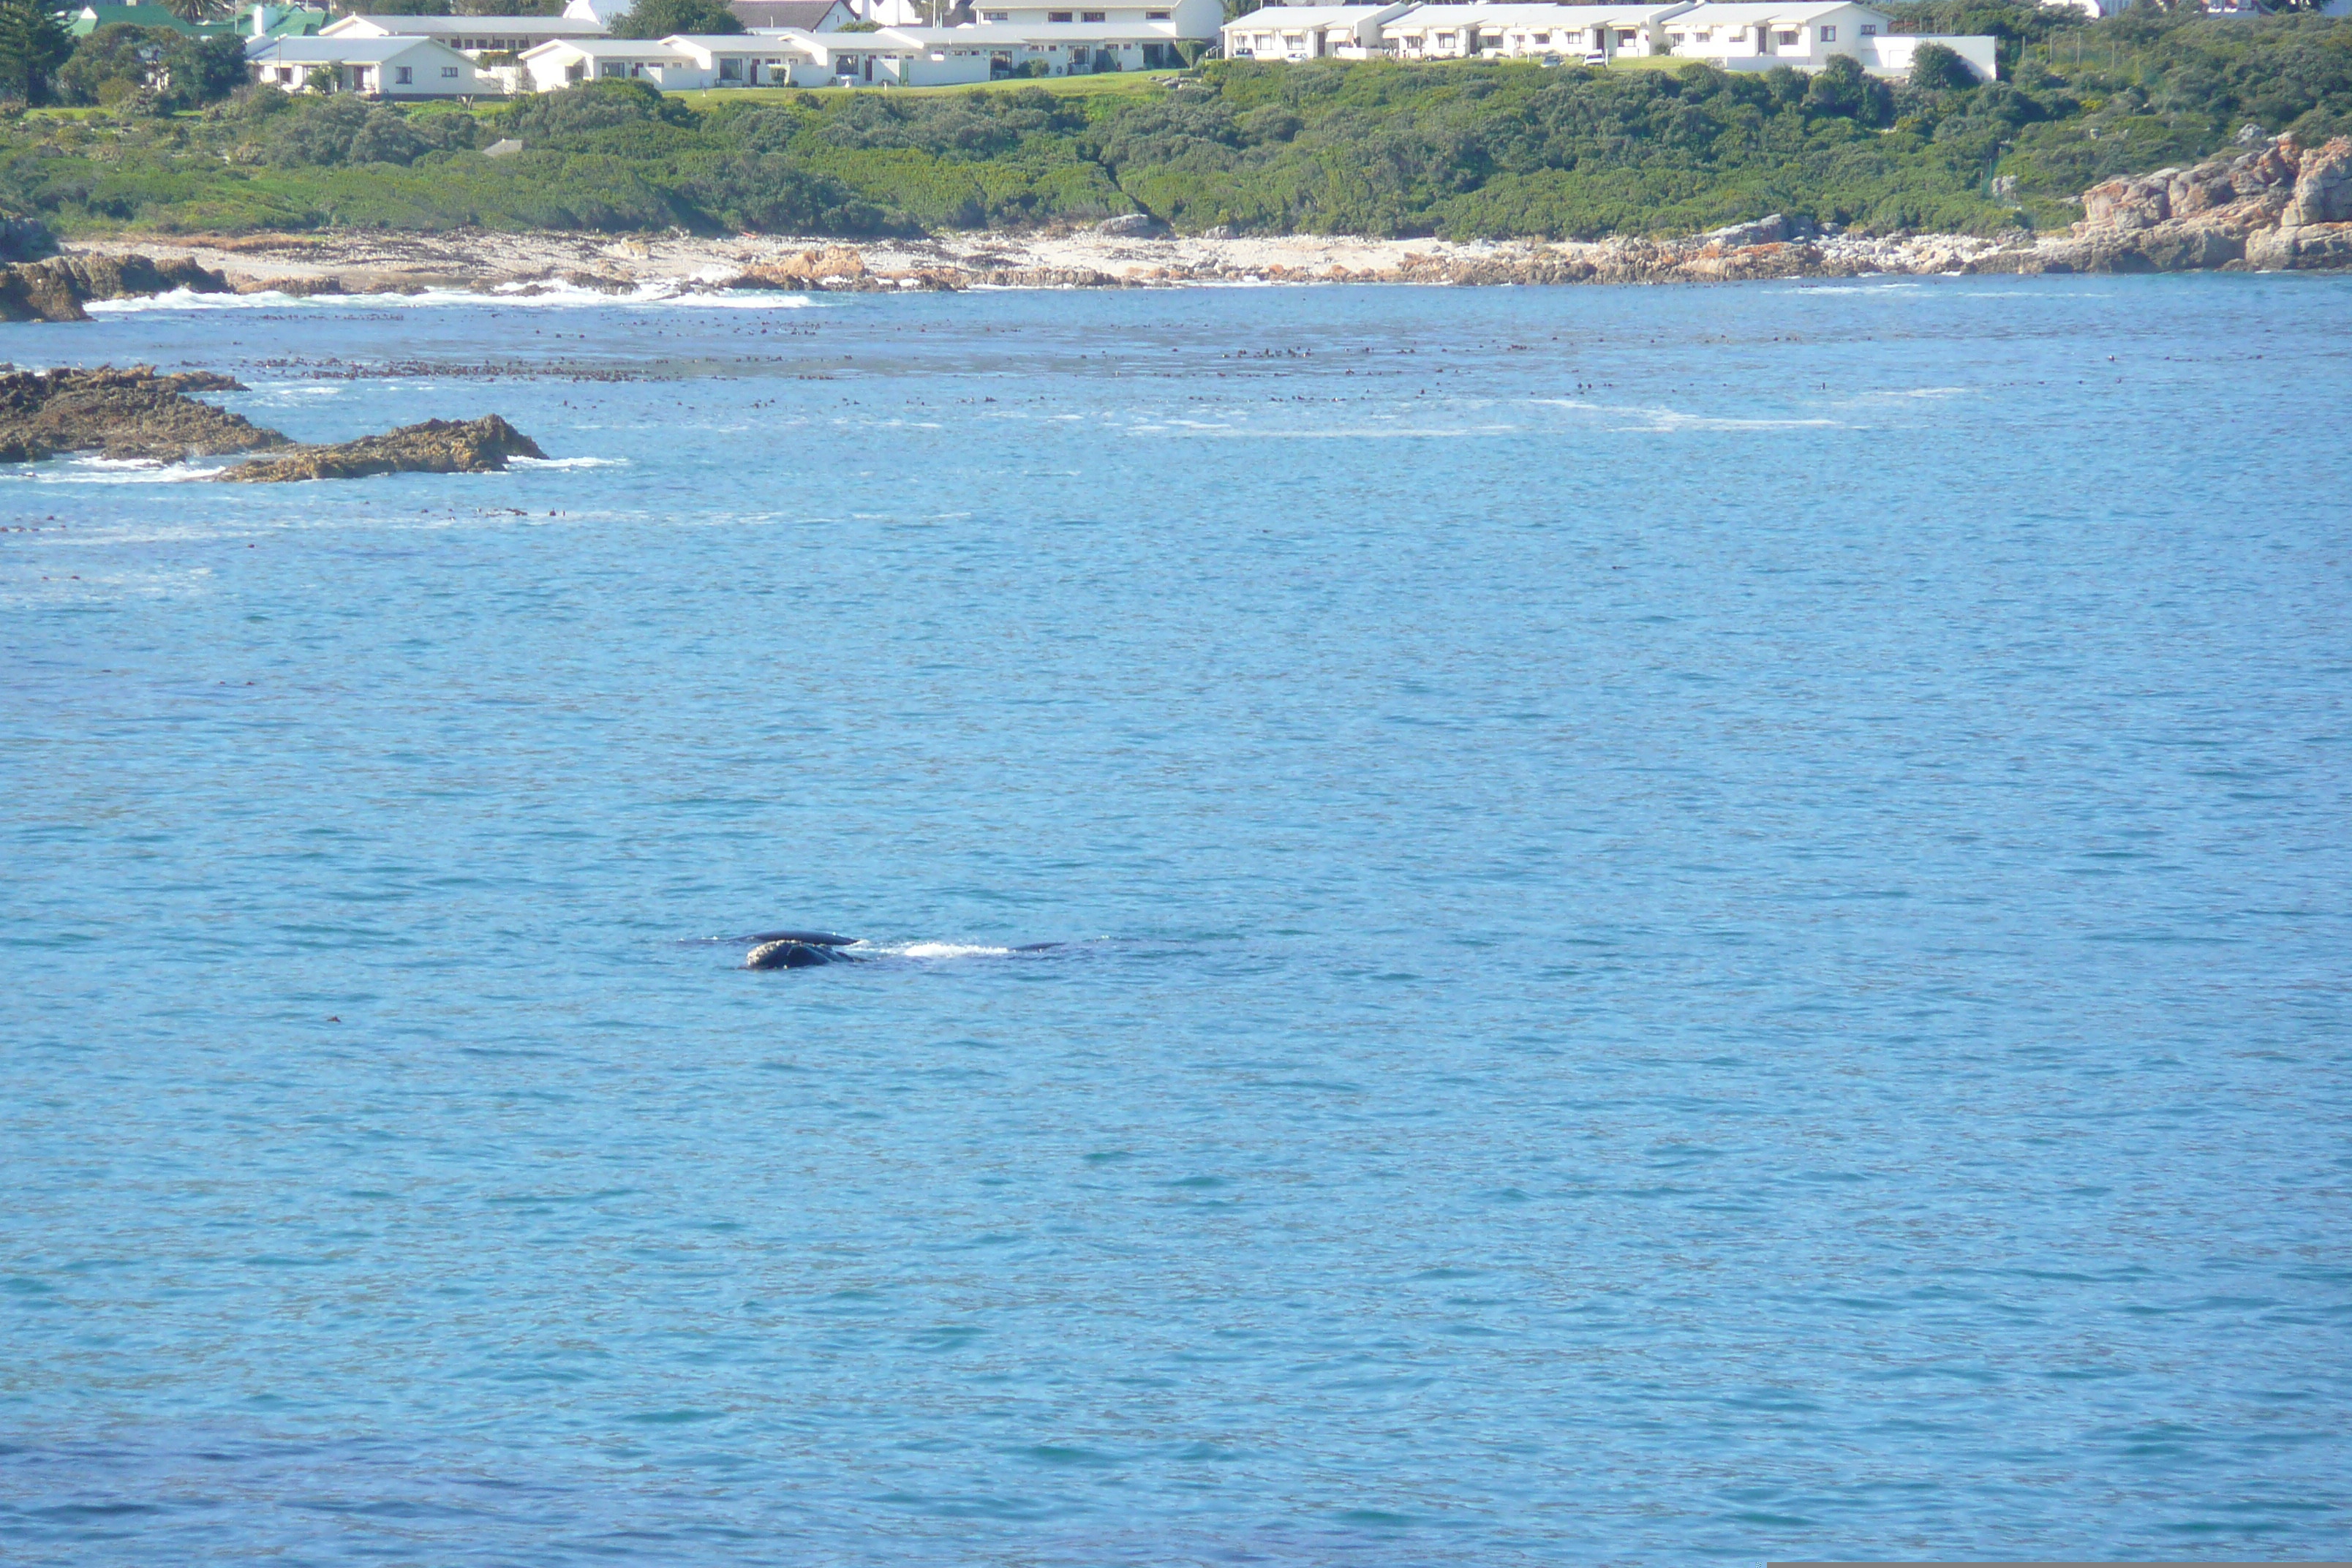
x,y
552,296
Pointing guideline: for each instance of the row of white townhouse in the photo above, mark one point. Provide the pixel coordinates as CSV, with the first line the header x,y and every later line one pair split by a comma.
x,y
401,67
1741,35
890,57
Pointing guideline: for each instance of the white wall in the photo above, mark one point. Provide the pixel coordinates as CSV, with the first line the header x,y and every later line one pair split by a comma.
x,y
1893,55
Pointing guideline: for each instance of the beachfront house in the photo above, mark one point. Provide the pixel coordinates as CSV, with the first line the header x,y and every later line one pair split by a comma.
x,y
400,70
696,62
1595,33
470,35
1753,36
1051,48
1309,32
567,62
776,57
1191,19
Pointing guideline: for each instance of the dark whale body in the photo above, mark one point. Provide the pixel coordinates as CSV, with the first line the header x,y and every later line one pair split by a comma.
x,y
798,950
809,949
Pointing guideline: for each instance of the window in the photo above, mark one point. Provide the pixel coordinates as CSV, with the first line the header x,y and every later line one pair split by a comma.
x,y
1870,29
1676,39
1829,35
1294,41
448,73
1155,15
996,16
401,75
1094,16
1785,37
730,70
1057,15
1624,40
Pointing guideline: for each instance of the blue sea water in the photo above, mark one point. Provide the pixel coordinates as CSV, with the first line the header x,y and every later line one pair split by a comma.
x,y
1703,924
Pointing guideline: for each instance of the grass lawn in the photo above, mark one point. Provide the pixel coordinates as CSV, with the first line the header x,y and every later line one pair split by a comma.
x,y
1130,84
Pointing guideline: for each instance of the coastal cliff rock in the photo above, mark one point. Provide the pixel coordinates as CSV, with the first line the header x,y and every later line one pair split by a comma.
x,y
56,289
436,447
120,413
2277,206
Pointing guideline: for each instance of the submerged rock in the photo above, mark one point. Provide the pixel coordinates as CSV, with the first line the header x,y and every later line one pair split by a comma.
x,y
122,414
56,289
436,447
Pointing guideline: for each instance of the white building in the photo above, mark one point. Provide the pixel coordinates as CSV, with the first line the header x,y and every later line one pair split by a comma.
x,y
1195,19
1890,53
1747,35
567,62
1572,32
694,62
1063,48
902,57
1309,32
1800,33
395,68
471,35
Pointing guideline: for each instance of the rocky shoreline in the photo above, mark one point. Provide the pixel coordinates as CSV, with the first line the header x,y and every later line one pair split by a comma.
x,y
2269,205
135,414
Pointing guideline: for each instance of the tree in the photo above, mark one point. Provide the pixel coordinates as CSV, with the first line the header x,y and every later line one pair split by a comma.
x,y
1841,86
118,62
193,10
660,18
32,46
1935,67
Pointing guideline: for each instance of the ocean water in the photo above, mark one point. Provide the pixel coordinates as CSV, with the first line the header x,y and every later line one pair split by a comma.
x,y
1698,924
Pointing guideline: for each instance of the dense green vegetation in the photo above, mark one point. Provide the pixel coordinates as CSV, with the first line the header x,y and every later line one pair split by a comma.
x,y
1376,148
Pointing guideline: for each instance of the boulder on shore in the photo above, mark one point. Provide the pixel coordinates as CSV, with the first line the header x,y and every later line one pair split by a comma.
x,y
56,289
122,414
436,447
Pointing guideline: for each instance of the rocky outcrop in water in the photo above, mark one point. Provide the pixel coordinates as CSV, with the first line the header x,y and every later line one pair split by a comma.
x,y
122,414
436,447
58,288
137,414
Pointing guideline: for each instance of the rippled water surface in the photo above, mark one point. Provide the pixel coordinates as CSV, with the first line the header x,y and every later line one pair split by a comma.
x,y
1701,924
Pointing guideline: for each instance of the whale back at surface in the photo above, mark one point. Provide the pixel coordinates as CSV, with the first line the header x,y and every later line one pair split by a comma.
x,y
812,938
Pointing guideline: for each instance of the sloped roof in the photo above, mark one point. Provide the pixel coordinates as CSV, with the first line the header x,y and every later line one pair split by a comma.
x,y
1541,15
341,51
1293,17
804,15
1739,12
616,48
470,26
